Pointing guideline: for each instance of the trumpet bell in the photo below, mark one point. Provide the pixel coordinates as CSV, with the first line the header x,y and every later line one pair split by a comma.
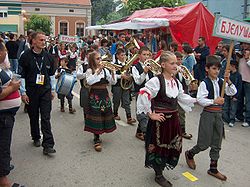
x,y
153,66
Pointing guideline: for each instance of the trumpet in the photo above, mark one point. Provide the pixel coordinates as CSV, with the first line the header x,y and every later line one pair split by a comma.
x,y
154,66
110,66
187,75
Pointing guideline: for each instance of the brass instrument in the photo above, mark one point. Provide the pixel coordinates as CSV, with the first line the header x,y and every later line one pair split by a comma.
x,y
125,70
110,66
133,43
106,57
188,76
154,66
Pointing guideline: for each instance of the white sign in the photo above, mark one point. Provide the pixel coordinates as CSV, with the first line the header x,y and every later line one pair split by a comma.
x,y
231,29
68,39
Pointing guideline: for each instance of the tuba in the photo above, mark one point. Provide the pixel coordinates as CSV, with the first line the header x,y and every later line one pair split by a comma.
x,y
188,77
125,70
154,66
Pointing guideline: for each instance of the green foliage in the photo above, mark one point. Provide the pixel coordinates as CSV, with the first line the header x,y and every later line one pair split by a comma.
x,y
39,23
133,5
101,9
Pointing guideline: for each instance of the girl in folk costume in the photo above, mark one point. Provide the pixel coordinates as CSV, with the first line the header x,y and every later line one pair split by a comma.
x,y
163,137
73,57
63,53
99,115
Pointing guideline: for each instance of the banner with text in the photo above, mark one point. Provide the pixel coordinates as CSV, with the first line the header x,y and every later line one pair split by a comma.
x,y
69,39
231,29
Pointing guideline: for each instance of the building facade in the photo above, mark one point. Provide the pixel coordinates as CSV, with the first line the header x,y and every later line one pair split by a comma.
x,y
67,17
235,9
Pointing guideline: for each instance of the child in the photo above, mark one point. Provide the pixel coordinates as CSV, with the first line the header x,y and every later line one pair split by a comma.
x,y
99,115
119,94
184,84
141,73
211,125
164,136
230,104
73,57
81,75
63,68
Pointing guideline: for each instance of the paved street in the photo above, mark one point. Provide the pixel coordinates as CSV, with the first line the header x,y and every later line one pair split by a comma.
x,y
121,163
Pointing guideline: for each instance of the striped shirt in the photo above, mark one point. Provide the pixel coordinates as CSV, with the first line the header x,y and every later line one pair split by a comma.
x,y
12,102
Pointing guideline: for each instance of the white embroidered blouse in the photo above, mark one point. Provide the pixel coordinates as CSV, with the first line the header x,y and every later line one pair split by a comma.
x,y
94,78
151,89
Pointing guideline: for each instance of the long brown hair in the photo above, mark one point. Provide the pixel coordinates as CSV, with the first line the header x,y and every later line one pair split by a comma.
x,y
92,61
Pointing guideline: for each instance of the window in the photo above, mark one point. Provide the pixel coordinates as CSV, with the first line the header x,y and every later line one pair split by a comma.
x,y
37,9
80,29
64,28
3,14
70,10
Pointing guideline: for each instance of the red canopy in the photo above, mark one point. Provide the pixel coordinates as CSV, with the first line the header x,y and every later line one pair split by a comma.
x,y
187,23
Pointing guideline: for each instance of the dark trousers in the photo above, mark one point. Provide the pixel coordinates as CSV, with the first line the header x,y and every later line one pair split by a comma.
x,y
120,95
6,127
229,110
62,99
210,134
40,102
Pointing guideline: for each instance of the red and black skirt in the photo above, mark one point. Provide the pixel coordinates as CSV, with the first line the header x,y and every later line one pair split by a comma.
x,y
99,116
163,142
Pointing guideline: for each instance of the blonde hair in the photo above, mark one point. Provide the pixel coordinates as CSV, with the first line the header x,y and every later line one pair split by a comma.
x,y
165,56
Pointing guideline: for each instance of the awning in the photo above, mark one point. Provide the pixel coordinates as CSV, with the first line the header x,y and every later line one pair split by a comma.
x,y
8,28
137,25
159,21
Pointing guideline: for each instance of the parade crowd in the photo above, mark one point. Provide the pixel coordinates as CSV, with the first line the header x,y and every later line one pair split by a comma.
x,y
166,80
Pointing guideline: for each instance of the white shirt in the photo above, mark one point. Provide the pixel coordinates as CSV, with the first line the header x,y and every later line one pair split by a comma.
x,y
79,73
122,64
202,93
139,78
152,87
94,78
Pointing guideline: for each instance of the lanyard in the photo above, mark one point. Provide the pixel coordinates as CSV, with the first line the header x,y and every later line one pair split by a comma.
x,y
39,68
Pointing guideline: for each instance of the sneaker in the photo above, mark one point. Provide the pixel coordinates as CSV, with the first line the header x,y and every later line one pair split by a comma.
x,y
37,143
48,150
230,124
245,124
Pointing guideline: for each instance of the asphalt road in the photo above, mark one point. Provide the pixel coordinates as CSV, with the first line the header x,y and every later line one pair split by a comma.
x,y
121,163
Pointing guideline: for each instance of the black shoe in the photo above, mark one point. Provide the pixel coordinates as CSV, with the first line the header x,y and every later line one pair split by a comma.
x,y
162,181
37,143
48,150
12,167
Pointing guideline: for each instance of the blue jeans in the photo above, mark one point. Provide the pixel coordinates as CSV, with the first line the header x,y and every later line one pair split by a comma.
x,y
245,94
229,110
14,65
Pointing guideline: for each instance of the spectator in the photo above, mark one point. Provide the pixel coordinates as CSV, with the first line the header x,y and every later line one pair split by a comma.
x,y
12,47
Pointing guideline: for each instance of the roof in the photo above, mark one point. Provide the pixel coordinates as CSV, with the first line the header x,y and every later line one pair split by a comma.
x,y
66,2
187,23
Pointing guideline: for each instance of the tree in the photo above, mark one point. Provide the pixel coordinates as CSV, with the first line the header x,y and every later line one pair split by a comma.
x,y
101,9
39,23
133,5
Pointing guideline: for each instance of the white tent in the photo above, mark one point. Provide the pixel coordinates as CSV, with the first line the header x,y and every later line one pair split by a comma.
x,y
133,24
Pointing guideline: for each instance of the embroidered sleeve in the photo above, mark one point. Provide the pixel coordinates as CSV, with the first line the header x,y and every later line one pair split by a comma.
x,y
145,95
184,100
